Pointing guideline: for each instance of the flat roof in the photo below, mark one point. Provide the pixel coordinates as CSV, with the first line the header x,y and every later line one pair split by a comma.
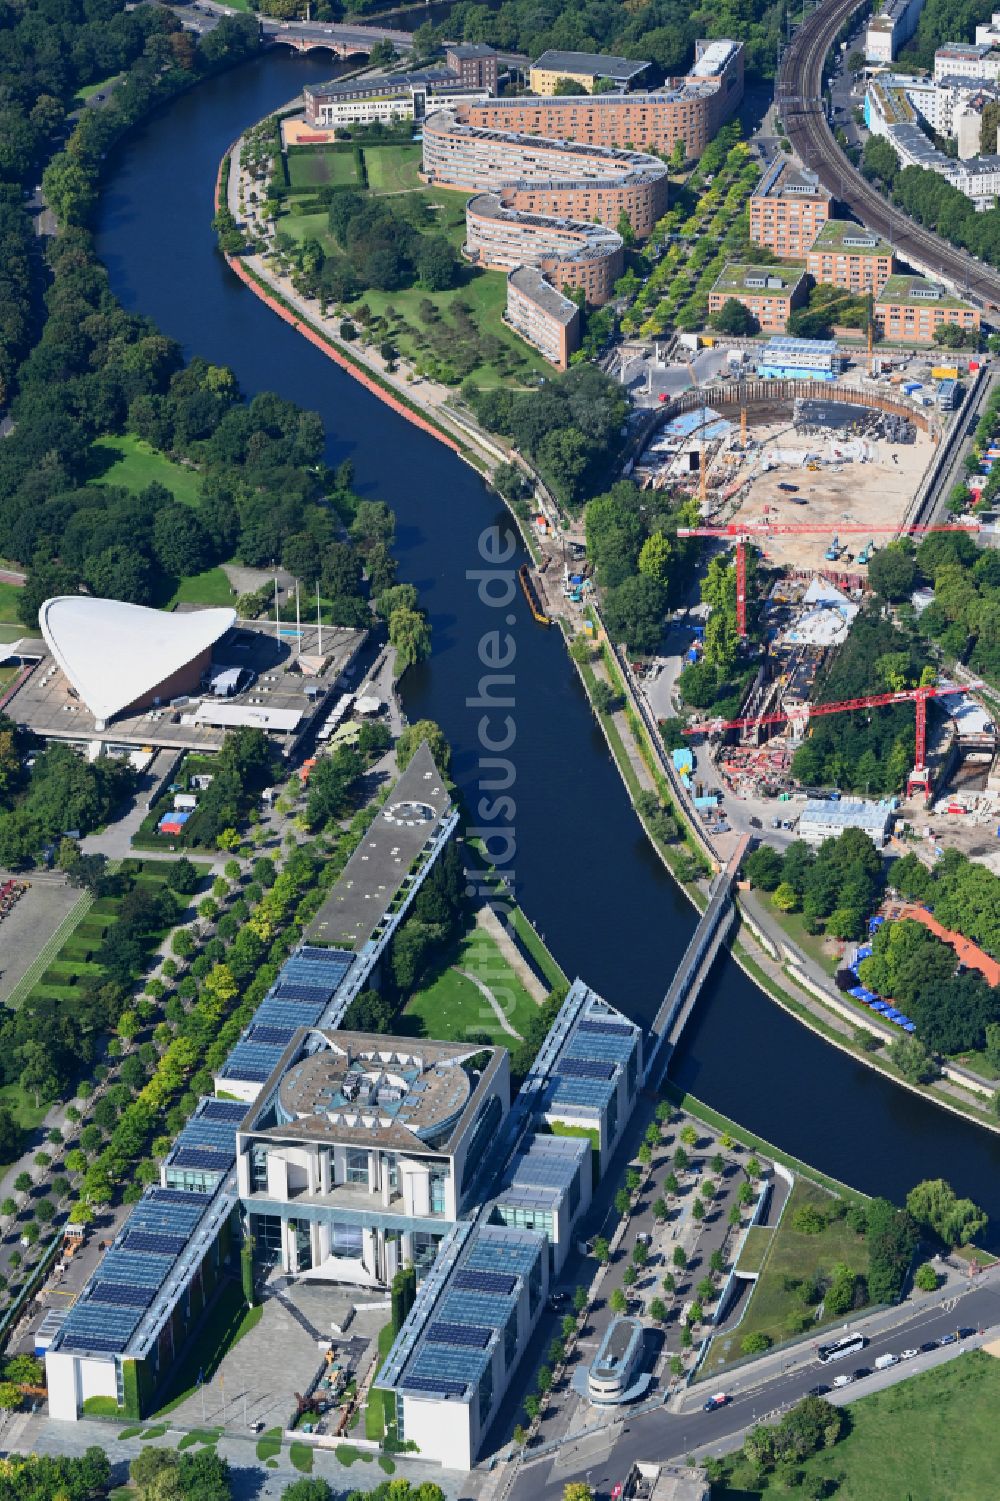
x,y
916,291
853,239
847,813
713,58
596,64
374,875
778,280
532,283
462,1307
582,1058
617,1346
470,49
784,176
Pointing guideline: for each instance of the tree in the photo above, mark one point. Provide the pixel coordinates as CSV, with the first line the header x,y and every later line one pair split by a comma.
x,y
935,1204
926,1278
912,1059
10,1396
657,1310
630,1275
677,156
414,735
755,1343
679,1257
623,1201
577,1490
618,1301
735,319
763,868
785,897
634,611
307,1490
892,572
602,1251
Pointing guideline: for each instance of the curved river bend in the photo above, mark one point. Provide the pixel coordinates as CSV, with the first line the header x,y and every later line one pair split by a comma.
x,y
584,871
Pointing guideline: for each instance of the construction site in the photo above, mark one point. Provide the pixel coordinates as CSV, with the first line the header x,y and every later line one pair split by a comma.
x,y
813,478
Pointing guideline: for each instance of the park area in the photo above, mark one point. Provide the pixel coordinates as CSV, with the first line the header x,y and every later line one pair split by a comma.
x,y
447,334
929,1438
466,1000
793,1266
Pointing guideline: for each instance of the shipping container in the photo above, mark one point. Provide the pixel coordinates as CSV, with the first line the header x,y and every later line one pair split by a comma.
x,y
945,372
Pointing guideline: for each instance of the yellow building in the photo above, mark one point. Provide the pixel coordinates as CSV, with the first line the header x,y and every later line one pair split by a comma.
x,y
585,69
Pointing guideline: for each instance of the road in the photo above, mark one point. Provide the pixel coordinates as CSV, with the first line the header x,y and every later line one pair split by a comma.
x,y
759,1391
799,100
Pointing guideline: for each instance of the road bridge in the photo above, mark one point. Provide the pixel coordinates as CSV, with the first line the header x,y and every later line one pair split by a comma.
x,y
342,41
699,956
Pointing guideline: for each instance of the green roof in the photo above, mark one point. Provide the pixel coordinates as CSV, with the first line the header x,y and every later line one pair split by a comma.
x,y
836,232
906,290
738,278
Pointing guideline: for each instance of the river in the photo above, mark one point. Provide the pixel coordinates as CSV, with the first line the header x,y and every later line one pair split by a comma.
x,y
583,869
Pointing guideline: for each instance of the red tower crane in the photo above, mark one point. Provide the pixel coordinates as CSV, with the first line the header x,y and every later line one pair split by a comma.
x,y
755,531
918,780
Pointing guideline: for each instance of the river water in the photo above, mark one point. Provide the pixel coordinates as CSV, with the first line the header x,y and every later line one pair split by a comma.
x,y
582,867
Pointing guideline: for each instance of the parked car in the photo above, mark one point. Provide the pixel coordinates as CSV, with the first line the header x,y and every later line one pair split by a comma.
x,y
818,1391
884,1362
842,1380
948,1339
860,1372
908,1354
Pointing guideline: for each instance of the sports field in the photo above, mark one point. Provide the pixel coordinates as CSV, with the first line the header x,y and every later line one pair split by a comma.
x,y
322,167
393,169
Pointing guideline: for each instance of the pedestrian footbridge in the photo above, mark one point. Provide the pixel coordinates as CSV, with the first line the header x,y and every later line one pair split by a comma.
x,y
699,956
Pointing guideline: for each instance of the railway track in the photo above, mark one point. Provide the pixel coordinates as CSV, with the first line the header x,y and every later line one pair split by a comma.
x,y
798,95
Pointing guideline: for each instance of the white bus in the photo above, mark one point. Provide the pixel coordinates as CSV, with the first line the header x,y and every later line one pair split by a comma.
x,y
853,1344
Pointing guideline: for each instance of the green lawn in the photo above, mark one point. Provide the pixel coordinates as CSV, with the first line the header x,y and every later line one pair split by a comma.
x,y
755,1248
22,1106
308,227
812,944
209,588
228,1321
453,1008
133,464
929,1438
8,604
793,1258
322,166
393,169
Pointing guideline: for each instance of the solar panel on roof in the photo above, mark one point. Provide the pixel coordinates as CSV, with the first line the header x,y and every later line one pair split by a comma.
x,y
474,1335
297,990
485,1282
146,1269
180,1197
124,1294
214,1162
437,1384
144,1240
254,1072
281,1036
586,1068
223,1110
103,1343
616,1029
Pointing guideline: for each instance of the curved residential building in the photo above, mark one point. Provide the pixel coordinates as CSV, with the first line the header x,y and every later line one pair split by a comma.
x,y
561,178
689,110
571,252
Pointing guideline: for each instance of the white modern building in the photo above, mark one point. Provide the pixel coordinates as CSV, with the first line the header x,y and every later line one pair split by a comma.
x,y
979,62
119,656
459,1348
586,1075
891,29
988,35
822,819
547,1187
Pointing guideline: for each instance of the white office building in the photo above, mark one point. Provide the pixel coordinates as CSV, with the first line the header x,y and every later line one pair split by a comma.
x,y
891,29
365,1149
460,1345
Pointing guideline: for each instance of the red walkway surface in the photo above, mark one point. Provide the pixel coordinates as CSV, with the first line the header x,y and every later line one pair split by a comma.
x,y
968,953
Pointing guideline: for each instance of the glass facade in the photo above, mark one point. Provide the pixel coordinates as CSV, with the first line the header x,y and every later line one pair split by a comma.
x,y
357,1166
266,1232
526,1219
258,1168
438,1190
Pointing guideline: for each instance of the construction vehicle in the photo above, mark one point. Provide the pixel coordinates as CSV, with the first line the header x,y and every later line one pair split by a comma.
x,y
833,551
918,782
866,551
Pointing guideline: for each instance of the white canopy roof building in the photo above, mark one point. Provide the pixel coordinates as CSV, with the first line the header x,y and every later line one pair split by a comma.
x,y
121,656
